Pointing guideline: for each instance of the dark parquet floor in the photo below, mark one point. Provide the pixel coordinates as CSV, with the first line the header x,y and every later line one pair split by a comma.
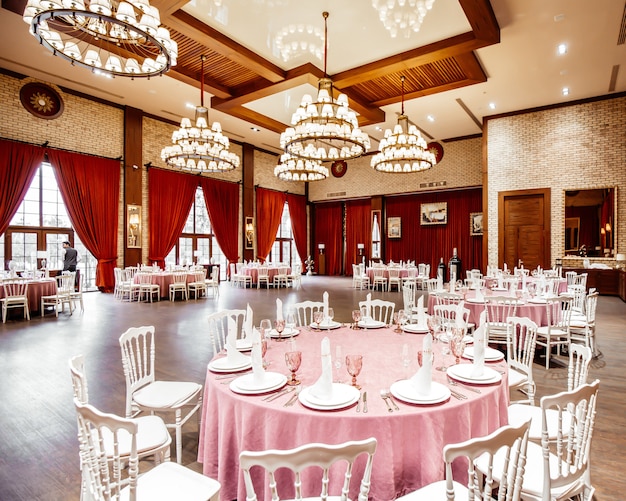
x,y
38,445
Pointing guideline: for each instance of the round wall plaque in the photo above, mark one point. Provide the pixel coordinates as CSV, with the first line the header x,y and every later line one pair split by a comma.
x,y
339,168
435,148
41,100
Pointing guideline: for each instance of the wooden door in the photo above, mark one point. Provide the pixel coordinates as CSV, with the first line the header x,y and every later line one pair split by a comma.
x,y
524,228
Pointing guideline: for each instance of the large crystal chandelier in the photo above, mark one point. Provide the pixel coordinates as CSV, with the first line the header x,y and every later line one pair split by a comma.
x,y
402,16
403,149
198,147
109,37
326,129
292,168
297,39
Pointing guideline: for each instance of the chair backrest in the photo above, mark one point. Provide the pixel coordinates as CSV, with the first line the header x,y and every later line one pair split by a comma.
x,y
578,368
137,345
499,309
559,312
411,272
304,311
311,456
65,282
104,469
591,304
144,278
381,310
394,273
510,443
580,280
218,327
446,313
264,271
15,288
570,277
131,271
431,284
79,379
421,270
448,298
578,293
408,297
180,278
570,451
521,342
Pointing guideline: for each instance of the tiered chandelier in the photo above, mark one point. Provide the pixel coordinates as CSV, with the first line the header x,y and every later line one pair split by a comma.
x,y
199,148
403,149
298,39
293,168
402,16
113,38
325,129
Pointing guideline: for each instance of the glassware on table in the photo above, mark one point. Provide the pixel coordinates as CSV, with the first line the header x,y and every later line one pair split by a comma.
x,y
398,319
330,314
263,352
290,322
356,317
293,359
420,357
457,345
354,363
279,325
265,328
444,337
337,363
364,317
318,316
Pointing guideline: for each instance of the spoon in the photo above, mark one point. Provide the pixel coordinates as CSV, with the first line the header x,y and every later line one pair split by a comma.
x,y
390,397
293,398
384,395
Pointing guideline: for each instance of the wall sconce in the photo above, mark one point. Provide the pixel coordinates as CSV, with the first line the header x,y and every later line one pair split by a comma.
x,y
249,233
361,248
134,226
321,248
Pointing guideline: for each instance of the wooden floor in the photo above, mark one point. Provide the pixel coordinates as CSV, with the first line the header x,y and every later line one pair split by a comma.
x,y
38,445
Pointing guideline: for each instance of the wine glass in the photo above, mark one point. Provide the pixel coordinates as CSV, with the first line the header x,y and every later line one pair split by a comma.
x,y
318,316
364,317
398,319
279,325
354,363
457,345
293,359
330,314
420,356
356,317
338,362
265,327
263,352
290,322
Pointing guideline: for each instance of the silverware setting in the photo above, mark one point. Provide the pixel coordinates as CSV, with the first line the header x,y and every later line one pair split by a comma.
x,y
280,393
293,398
364,402
456,383
391,399
457,395
384,395
358,403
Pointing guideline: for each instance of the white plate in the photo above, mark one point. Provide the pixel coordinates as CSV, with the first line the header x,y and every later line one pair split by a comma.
x,y
499,289
244,345
404,390
371,324
491,355
463,372
415,329
331,325
468,339
246,385
342,393
286,333
221,365
348,392
475,301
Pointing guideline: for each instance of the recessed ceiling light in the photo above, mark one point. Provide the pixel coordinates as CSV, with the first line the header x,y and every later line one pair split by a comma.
x,y
565,91
190,106
492,106
559,17
379,128
430,118
562,49
255,129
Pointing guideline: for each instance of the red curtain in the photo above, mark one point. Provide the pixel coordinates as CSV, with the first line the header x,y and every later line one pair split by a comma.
x,y
18,164
90,187
171,197
222,202
329,231
358,230
269,209
297,213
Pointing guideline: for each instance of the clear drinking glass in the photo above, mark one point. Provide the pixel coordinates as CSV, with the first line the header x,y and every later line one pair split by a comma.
x,y
356,317
290,322
279,325
265,328
330,314
318,316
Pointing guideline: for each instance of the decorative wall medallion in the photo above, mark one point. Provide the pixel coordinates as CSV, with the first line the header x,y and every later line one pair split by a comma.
x,y
41,100
437,149
339,168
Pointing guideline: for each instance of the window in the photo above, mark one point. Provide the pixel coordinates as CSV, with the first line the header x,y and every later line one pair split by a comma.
x,y
197,242
39,228
284,247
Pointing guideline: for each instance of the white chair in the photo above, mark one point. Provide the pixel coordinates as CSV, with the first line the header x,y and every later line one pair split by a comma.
x,y
15,296
520,352
122,287
408,301
448,298
145,393
431,285
394,278
106,477
559,469
360,279
65,287
304,312
504,453
143,286
379,278
584,330
557,332
179,284
570,276
281,279
381,310
218,327
198,284
580,279
411,276
447,313
76,295
295,277
498,310
311,456
578,293
242,279
213,283
263,276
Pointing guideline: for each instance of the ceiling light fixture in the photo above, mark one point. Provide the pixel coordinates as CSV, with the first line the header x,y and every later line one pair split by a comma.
x,y
326,129
200,148
403,149
296,40
109,37
292,168
403,16
562,49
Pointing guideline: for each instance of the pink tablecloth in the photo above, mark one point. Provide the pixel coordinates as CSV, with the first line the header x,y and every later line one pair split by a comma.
x,y
36,289
370,273
490,281
163,280
410,441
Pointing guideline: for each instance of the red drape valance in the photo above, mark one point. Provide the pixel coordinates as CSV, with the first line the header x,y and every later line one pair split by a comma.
x,y
358,230
90,187
18,164
269,209
297,213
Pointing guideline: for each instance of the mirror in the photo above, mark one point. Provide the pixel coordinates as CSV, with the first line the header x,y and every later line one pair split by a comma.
x,y
590,222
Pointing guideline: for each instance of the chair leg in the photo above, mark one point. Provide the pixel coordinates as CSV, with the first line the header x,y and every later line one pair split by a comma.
x,y
179,437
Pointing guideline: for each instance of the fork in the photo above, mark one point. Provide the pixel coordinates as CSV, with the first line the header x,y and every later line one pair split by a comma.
x,y
456,383
293,398
390,397
458,395
383,395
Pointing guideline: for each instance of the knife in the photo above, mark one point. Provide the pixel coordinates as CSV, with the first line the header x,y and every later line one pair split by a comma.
x,y
358,404
364,402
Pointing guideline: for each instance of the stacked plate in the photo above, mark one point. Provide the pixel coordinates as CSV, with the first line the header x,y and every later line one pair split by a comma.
x,y
537,300
288,332
491,355
244,345
463,373
343,396
405,390
415,329
222,365
371,324
247,385
475,300
326,325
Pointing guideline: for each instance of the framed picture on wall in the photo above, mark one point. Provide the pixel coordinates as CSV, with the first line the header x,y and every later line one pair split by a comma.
x,y
394,227
434,213
476,224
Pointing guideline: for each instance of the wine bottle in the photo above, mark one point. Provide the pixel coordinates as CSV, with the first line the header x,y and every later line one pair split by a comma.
x,y
455,265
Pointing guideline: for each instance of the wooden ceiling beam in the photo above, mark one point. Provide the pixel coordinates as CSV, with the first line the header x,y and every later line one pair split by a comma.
x,y
213,88
255,118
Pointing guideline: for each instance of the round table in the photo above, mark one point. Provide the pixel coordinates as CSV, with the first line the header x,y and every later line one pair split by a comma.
x,y
410,441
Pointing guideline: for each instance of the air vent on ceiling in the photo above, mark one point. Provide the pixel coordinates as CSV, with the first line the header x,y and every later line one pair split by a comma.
x,y
621,38
336,194
433,184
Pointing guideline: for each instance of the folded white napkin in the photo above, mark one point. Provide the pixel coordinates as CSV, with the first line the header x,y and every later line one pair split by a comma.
x,y
323,387
523,281
422,379
234,356
279,309
258,372
452,282
479,295
460,309
421,314
248,323
368,306
439,283
325,302
479,349
500,281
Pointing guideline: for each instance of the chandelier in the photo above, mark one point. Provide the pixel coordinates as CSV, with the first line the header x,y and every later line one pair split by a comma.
x,y
295,40
106,36
292,168
402,16
403,149
198,147
326,129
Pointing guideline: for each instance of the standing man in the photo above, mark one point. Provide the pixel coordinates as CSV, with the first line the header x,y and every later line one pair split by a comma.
x,y
70,260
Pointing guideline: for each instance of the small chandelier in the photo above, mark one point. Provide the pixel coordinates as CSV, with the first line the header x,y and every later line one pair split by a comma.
x,y
109,37
200,148
295,40
326,129
403,149
292,168
403,16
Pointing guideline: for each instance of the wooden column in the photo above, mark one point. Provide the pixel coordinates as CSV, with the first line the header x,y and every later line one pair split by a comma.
x,y
248,200
132,186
